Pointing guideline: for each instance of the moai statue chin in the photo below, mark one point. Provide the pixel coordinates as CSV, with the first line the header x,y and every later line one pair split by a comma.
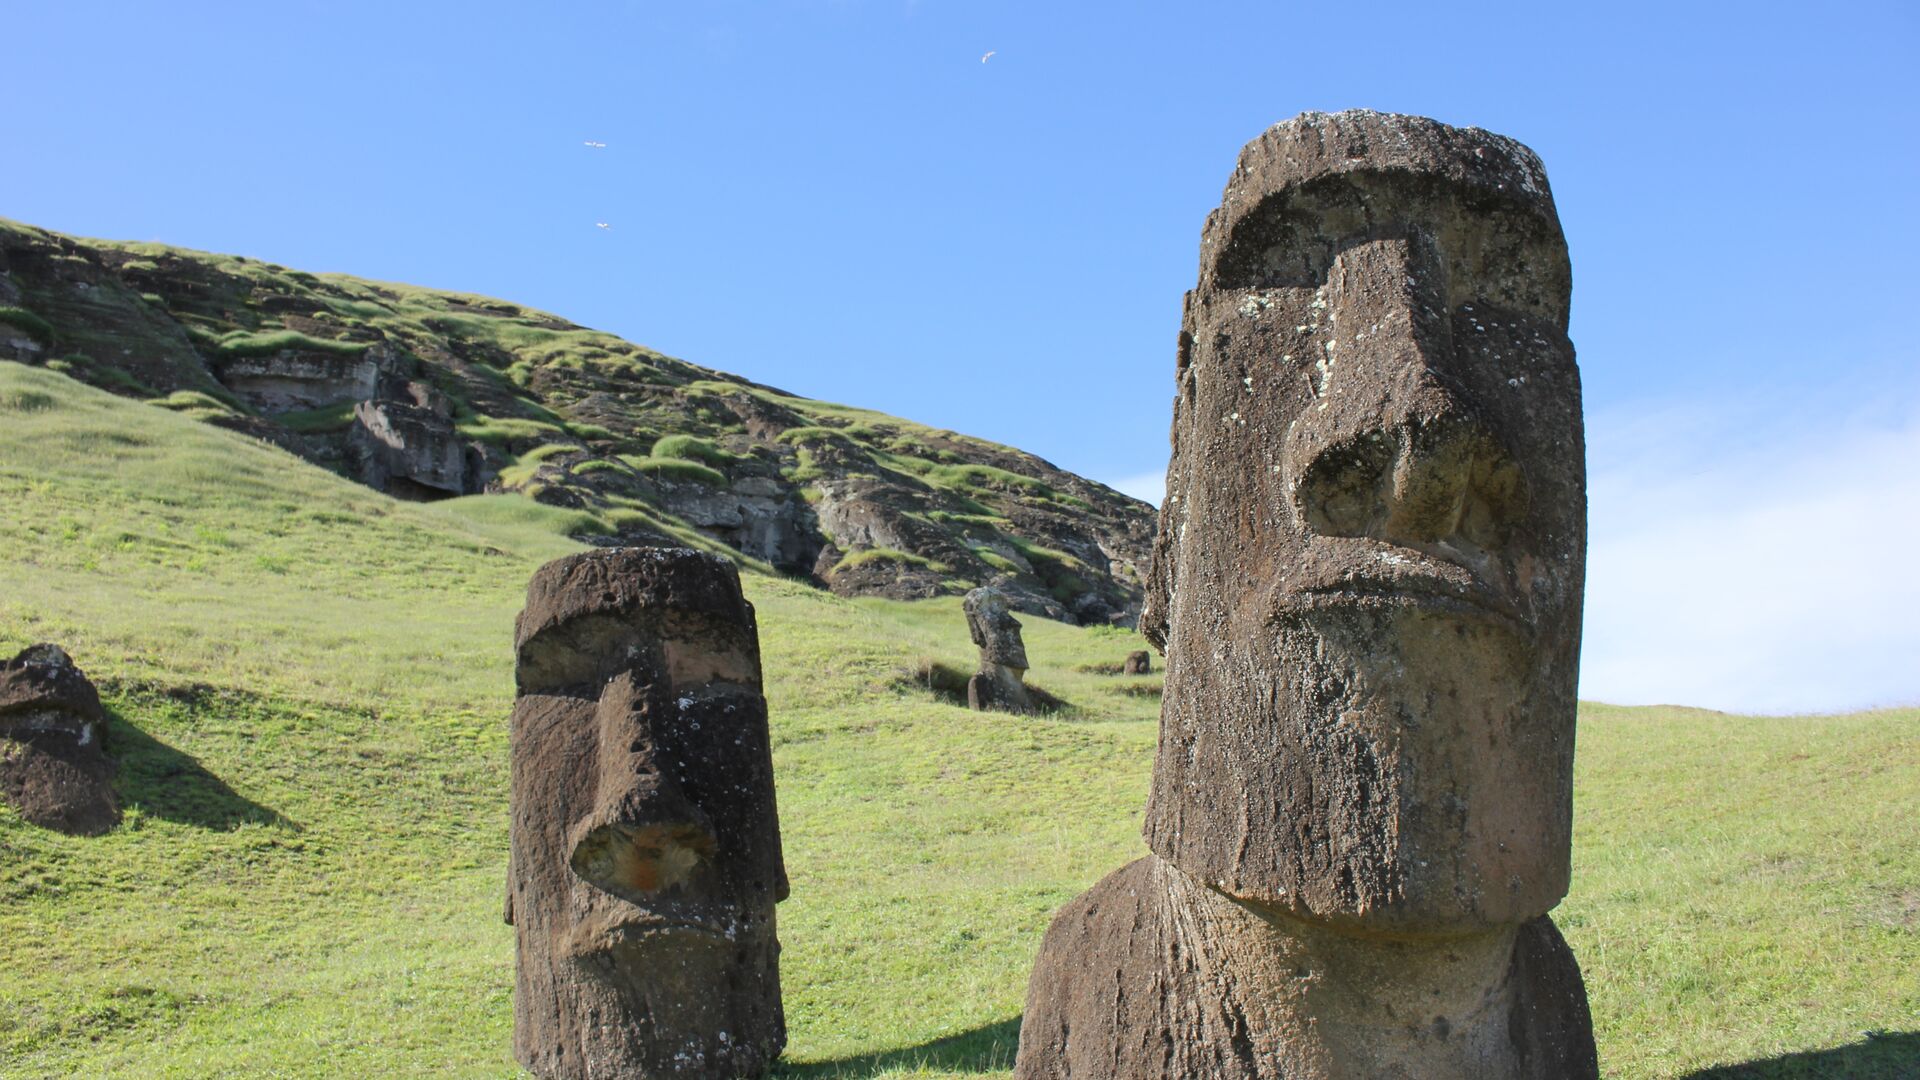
x,y
1000,683
646,856
1367,582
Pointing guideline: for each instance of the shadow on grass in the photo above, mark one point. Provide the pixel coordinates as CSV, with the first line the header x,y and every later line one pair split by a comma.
x,y
171,785
1885,1055
982,1050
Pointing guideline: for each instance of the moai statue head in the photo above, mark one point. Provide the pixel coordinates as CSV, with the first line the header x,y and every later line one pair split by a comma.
x,y
991,624
53,767
646,845
1368,571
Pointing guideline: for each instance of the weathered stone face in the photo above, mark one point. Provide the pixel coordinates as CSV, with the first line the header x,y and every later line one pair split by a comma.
x,y
1368,572
1000,683
53,767
646,850
991,625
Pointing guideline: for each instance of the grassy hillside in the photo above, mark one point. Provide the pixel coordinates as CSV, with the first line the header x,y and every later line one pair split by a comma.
x,y
528,402
309,684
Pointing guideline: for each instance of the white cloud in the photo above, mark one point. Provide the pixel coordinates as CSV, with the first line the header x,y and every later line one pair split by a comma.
x,y
1754,558
1147,486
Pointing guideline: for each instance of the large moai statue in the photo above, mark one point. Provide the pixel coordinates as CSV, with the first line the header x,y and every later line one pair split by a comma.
x,y
1000,682
645,842
1367,583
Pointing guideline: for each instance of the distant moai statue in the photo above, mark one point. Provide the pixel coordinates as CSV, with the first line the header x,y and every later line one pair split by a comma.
x,y
1000,683
1367,583
1138,662
53,764
646,856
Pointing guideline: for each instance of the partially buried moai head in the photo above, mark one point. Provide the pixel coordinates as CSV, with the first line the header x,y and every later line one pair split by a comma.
x,y
1369,567
646,848
53,768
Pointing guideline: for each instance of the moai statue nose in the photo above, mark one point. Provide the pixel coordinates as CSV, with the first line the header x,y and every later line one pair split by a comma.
x,y
1393,448
645,835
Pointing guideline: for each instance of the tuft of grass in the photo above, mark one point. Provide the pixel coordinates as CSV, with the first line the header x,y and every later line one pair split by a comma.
x,y
35,327
500,431
892,555
195,405
693,448
325,419
590,432
801,436
245,345
676,469
996,560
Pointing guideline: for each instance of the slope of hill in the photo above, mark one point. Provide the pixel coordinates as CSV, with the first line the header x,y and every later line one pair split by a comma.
x,y
309,682
429,395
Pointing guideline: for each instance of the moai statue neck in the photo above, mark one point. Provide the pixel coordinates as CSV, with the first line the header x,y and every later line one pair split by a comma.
x,y
1367,582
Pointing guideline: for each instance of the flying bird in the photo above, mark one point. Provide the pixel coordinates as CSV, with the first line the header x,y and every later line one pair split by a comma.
x,y
989,55
601,225
596,145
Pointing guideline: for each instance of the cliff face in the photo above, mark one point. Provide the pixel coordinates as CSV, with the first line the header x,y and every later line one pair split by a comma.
x,y
428,394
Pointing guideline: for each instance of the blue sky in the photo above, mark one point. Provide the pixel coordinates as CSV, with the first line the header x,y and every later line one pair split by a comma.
x,y
841,199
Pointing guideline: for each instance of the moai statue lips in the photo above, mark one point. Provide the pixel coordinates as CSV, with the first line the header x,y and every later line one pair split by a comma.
x,y
646,853
1368,572
53,768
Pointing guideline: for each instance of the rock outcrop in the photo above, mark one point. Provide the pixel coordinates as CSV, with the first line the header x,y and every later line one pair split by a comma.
x,y
404,443
1367,582
294,380
645,861
53,764
1000,683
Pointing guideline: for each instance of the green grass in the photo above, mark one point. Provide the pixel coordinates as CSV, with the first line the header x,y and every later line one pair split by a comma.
x,y
36,327
692,448
309,684
499,431
327,418
194,403
676,469
244,344
873,555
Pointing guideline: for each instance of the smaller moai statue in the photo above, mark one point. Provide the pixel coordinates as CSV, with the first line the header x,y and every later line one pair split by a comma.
x,y
1138,663
646,859
53,767
1000,684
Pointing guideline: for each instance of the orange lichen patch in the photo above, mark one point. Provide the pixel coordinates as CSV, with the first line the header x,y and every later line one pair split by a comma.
x,y
629,859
